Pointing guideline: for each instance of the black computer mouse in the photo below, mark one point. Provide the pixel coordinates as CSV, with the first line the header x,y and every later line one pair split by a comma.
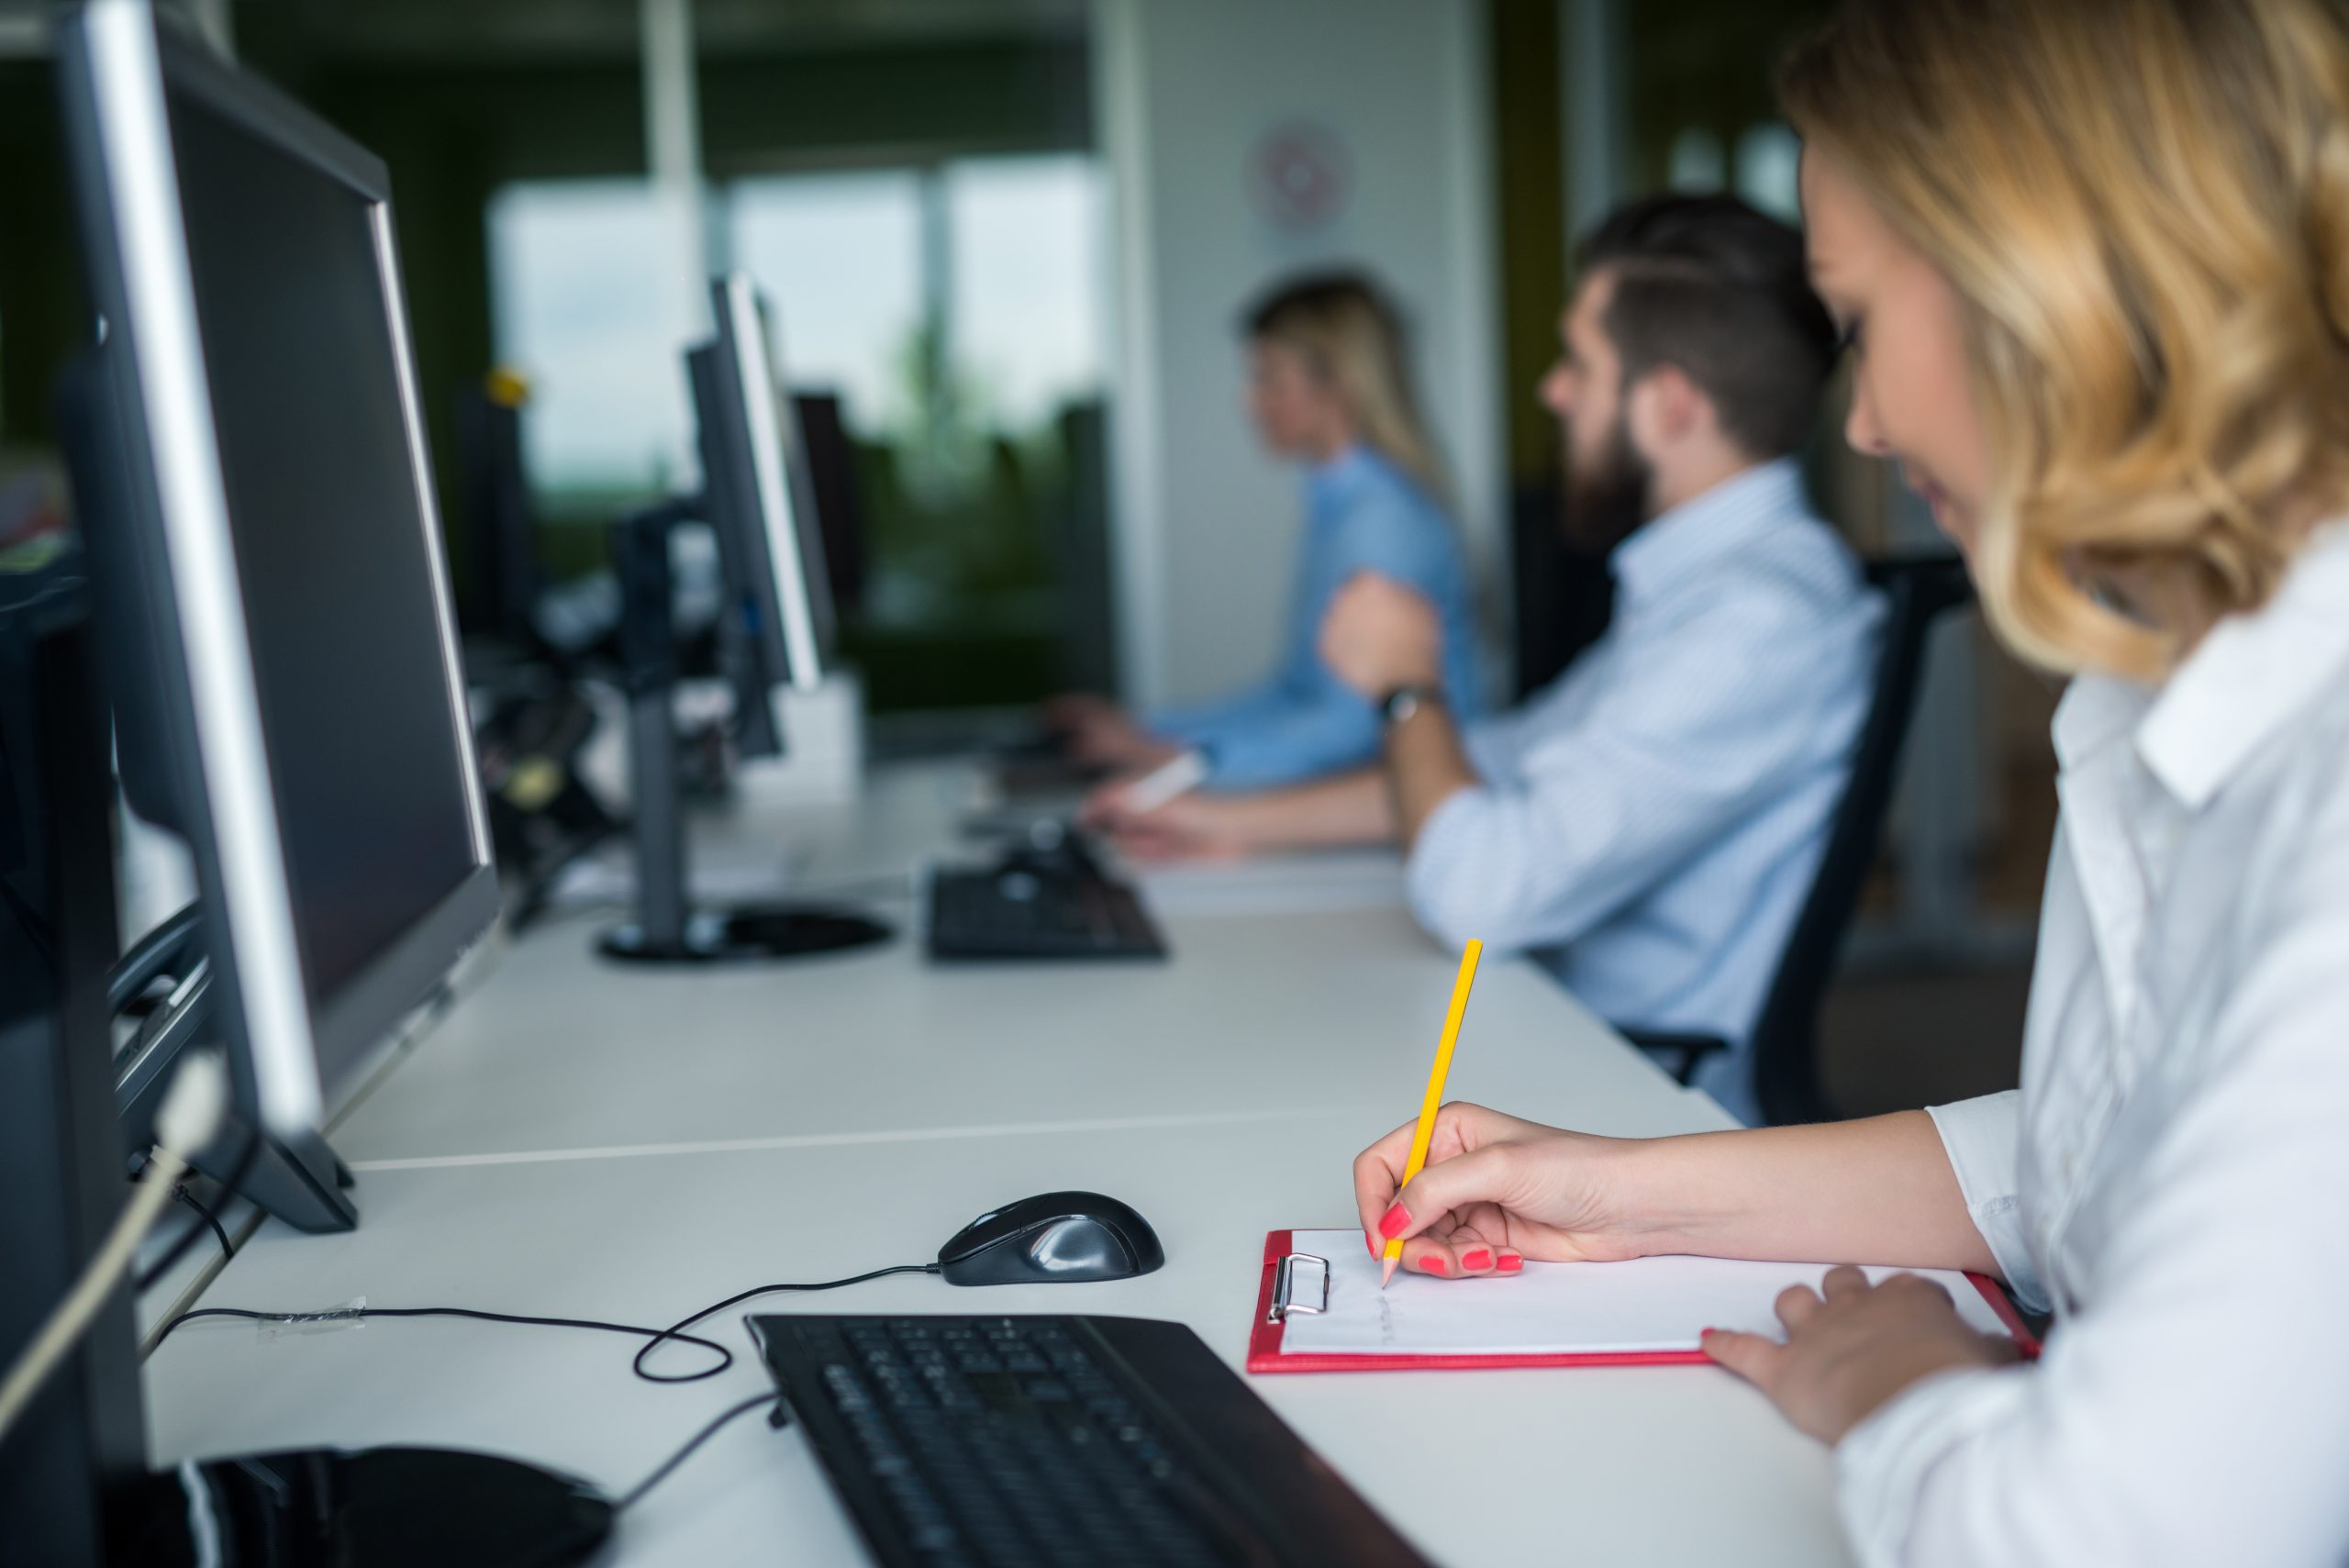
x,y
1057,1238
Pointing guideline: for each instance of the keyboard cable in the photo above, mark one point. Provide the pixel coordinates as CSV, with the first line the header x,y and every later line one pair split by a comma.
x,y
637,1492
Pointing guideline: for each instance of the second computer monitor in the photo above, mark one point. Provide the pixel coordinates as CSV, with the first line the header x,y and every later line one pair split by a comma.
x,y
761,500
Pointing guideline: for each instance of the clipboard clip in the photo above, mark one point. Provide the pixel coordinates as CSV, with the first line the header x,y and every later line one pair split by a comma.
x,y
1300,1283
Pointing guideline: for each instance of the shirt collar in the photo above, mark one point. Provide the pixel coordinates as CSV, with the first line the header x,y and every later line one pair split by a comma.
x,y
2251,675
1674,543
2096,711
1338,474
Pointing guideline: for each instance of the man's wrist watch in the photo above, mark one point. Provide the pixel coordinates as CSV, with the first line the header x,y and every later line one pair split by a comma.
x,y
1404,701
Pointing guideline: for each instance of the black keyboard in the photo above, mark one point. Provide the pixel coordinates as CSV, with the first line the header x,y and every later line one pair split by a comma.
x,y
1055,904
1042,1441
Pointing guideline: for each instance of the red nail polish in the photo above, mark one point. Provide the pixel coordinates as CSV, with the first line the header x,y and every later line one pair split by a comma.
x,y
1391,1224
1373,1243
1436,1265
1511,1263
1481,1258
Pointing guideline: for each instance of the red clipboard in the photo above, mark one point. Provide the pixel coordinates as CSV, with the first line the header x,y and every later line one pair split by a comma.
x,y
1264,1353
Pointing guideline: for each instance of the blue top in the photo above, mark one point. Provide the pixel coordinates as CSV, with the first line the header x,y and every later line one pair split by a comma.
x,y
1361,514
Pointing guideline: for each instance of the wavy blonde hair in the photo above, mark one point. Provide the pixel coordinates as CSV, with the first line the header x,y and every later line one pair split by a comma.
x,y
1342,327
2144,205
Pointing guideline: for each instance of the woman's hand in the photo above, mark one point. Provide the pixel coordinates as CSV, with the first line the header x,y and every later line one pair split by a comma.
x,y
1494,1192
1850,1351
1188,827
1095,730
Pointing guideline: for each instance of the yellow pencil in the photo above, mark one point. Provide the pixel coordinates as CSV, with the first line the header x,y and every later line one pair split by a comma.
x,y
1434,1096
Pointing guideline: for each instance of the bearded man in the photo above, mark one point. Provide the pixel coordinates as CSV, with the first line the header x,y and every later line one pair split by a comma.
x,y
1648,825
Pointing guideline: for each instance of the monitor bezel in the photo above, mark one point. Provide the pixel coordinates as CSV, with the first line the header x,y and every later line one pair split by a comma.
x,y
778,489
750,643
123,68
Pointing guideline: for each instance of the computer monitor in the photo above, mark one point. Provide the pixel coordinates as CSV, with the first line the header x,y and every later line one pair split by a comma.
x,y
273,615
500,524
776,631
839,497
757,491
273,602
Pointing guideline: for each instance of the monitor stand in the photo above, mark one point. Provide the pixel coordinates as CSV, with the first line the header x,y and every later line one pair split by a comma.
x,y
74,1486
299,1179
383,1507
667,930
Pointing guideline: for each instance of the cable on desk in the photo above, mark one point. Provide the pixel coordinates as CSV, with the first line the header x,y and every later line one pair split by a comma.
x,y
229,1191
637,1365
219,1231
678,1458
725,1356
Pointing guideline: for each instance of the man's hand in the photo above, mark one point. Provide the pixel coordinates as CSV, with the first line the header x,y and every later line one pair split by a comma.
x,y
1850,1351
1379,635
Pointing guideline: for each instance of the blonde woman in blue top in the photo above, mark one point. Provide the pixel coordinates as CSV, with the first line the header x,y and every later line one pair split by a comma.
x,y
1329,388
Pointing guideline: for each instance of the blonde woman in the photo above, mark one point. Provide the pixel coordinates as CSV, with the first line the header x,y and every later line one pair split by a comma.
x,y
2092,261
1329,389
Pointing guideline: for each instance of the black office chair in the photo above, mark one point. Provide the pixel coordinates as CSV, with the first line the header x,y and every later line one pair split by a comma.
x,y
1917,590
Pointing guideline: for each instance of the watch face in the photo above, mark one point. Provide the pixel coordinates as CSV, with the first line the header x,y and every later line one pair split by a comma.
x,y
1402,703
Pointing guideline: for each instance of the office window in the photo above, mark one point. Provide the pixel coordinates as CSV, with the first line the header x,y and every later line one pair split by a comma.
x,y
1026,297
969,292
956,308
589,301
1769,167
840,258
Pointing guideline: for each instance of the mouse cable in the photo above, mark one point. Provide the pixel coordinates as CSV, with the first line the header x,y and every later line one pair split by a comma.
x,y
637,1365
354,1314
654,1337
219,1231
231,1189
637,1492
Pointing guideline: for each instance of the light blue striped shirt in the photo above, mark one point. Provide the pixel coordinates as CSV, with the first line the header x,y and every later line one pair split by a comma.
x,y
1648,825
1361,514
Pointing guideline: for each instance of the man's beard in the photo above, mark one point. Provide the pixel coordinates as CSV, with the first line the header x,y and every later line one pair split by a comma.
x,y
1609,496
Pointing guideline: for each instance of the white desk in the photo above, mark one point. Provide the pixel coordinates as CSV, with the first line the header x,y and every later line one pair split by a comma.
x,y
605,1142
1255,1016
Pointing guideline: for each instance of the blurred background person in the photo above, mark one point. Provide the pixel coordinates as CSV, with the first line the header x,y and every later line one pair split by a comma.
x,y
1650,822
1330,388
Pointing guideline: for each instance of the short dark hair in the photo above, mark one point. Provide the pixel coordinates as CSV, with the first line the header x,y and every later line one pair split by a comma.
x,y
1717,290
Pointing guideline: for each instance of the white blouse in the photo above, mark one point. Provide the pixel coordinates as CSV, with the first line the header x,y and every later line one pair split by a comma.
x,y
2173,1177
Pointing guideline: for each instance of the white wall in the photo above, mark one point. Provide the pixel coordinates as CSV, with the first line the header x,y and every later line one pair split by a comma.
x,y
1207,525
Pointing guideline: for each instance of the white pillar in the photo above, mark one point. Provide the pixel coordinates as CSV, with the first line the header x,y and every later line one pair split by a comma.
x,y
1121,132
673,158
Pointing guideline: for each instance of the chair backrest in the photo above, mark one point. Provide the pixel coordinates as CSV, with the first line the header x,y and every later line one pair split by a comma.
x,y
1917,590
